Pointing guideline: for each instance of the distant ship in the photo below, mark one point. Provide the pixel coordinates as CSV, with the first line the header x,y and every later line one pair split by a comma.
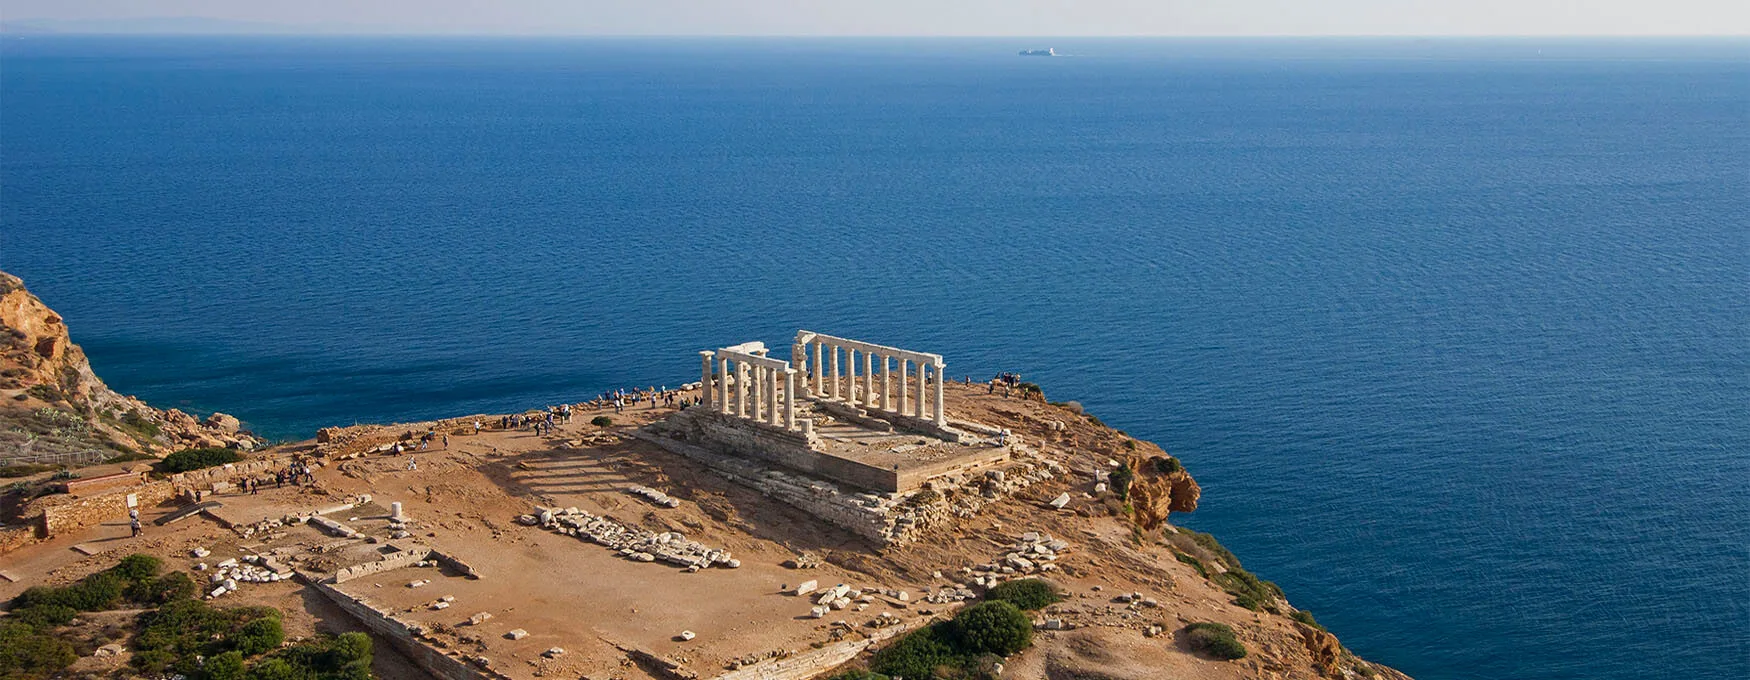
x,y
1047,52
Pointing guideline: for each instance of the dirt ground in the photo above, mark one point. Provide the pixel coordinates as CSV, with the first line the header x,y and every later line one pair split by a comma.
x,y
586,599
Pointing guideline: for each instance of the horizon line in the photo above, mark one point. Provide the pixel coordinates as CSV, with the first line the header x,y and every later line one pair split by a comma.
x,y
435,34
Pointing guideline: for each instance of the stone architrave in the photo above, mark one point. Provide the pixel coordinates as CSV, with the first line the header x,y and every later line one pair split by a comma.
x,y
918,405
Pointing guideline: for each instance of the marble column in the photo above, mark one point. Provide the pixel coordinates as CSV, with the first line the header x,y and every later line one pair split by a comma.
x,y
850,393
790,399
834,351
937,407
904,365
772,415
741,389
723,385
923,384
819,370
886,383
756,388
868,378
705,372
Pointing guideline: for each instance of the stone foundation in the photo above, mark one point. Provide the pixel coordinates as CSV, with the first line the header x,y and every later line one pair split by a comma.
x,y
812,663
793,450
404,635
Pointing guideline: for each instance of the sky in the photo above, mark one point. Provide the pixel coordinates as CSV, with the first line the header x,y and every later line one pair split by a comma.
x,y
893,17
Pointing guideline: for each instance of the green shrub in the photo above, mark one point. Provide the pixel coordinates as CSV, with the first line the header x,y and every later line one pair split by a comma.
x,y
45,617
259,636
345,657
1214,547
24,469
1215,639
993,628
27,653
197,459
129,456
1306,617
859,674
602,421
1248,590
137,567
1167,465
1028,594
918,654
1121,479
139,422
226,666
1194,562
174,637
175,585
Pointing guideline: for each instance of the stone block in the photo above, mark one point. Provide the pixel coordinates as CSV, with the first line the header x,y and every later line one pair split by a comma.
x,y
516,634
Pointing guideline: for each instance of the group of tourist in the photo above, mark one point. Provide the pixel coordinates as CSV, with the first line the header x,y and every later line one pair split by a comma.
x,y
621,399
1005,380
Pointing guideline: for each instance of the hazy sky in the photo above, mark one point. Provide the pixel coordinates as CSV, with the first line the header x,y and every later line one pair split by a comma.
x,y
926,17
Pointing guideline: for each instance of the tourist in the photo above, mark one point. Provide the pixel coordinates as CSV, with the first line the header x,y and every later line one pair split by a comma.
x,y
412,465
476,427
134,526
446,441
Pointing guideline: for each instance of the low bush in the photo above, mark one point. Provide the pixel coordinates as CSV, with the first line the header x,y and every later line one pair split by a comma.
x,y
1248,590
175,637
1215,639
1306,617
993,628
1167,465
859,674
919,653
24,469
128,456
198,459
140,423
26,652
175,585
1194,562
1029,594
1121,479
602,421
967,647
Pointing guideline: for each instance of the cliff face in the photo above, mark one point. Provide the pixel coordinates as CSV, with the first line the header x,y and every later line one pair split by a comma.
x,y
53,408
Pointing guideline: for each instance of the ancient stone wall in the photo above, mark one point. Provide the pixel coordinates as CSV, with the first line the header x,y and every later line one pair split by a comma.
x,y
807,665
394,560
860,514
65,514
774,445
404,636
205,478
94,484
15,537
914,477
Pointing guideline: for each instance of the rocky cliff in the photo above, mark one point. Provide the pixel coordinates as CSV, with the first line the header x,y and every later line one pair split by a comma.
x,y
54,409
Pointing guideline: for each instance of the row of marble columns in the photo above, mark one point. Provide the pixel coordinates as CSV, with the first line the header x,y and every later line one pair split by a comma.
x,y
841,380
749,385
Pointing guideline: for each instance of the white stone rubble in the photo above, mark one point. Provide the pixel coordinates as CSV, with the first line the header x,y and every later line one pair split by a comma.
x,y
637,544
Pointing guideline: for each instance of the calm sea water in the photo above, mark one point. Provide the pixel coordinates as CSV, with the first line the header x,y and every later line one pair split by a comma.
x,y
1455,334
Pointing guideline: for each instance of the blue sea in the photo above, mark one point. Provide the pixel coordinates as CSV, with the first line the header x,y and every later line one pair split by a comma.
x,y
1454,333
